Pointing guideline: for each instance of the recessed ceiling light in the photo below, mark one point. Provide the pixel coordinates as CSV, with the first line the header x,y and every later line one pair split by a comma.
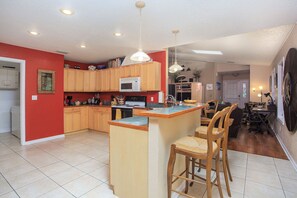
x,y
208,52
33,33
118,34
83,46
66,11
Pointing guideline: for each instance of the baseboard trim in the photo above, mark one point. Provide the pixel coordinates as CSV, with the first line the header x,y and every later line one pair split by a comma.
x,y
45,139
5,130
286,151
180,188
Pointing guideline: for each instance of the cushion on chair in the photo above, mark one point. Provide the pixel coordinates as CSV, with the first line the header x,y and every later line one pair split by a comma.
x,y
194,144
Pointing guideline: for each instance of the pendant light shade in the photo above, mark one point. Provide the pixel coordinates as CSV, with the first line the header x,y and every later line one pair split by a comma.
x,y
140,56
175,67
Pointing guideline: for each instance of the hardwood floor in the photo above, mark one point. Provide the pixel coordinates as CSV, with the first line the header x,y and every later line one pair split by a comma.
x,y
256,143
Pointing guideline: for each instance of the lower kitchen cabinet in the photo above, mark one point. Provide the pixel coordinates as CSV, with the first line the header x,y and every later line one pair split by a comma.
x,y
81,118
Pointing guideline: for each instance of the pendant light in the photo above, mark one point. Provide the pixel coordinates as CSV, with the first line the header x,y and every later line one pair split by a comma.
x,y
175,67
140,56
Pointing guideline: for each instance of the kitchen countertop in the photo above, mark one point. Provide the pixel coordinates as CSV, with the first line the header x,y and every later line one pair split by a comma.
x,y
136,122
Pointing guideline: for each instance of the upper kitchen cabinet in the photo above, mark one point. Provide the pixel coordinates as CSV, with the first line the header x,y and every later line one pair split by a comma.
x,y
150,75
103,80
69,80
115,79
9,79
89,81
79,80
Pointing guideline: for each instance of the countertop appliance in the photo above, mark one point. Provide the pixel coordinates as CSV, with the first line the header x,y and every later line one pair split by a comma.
x,y
131,84
126,110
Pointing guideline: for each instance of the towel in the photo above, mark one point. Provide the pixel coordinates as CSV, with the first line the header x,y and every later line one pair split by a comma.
x,y
118,114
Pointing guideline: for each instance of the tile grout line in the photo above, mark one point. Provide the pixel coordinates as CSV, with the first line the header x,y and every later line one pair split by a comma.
x,y
279,177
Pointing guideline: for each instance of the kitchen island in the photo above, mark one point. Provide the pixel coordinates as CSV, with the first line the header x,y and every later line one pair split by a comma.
x,y
140,146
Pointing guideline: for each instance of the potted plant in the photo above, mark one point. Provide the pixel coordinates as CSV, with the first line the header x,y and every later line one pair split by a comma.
x,y
197,74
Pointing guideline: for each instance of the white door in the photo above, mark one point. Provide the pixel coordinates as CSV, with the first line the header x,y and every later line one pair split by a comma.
x,y
236,91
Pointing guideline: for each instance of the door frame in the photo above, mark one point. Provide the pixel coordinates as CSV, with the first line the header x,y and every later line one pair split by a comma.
x,y
22,95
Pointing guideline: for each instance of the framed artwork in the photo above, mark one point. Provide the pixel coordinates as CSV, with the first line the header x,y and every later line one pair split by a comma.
x,y
46,81
209,87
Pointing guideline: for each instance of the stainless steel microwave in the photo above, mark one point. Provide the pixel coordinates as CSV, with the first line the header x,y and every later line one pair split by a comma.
x,y
130,84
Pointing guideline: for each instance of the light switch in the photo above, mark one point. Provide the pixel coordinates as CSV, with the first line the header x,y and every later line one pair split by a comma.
x,y
152,99
34,97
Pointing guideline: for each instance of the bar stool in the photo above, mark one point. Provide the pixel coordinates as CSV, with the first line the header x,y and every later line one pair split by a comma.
x,y
201,132
198,148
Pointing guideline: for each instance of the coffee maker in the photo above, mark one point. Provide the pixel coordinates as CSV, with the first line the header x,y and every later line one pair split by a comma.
x,y
69,102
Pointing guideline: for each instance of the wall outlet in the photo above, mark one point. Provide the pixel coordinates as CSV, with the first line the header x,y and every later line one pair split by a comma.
x,y
34,97
152,99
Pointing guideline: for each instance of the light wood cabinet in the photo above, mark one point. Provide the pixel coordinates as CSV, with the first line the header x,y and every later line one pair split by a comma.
x,y
99,117
103,80
79,80
150,75
114,79
108,79
81,118
89,81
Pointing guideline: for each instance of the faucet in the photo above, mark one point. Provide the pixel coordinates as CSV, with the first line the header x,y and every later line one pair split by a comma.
x,y
170,99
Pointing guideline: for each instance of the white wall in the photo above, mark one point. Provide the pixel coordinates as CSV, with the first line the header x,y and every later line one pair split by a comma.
x,y
8,98
289,139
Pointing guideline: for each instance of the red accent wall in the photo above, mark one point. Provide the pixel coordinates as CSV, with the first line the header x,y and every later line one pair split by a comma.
x,y
44,117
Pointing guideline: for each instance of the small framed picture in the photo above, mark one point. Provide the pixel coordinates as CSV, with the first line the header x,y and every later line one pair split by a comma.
x,y
209,87
46,81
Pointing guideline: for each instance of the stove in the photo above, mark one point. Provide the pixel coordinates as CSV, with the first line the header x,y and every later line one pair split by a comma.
x,y
126,110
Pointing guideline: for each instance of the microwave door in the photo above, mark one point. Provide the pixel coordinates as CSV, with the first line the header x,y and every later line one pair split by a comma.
x,y
126,86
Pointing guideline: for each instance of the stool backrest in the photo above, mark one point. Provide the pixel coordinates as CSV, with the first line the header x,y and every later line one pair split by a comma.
x,y
217,134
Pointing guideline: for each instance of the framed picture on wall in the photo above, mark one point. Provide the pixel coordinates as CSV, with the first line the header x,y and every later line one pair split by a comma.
x,y
46,81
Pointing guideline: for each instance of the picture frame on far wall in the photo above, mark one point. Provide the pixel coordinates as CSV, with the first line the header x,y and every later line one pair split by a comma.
x,y
46,81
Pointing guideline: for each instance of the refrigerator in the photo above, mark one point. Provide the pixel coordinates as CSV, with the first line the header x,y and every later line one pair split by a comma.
x,y
186,91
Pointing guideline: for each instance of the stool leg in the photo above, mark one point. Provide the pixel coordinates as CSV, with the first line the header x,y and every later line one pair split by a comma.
x,y
228,167
226,172
218,174
208,178
199,169
170,169
193,170
187,173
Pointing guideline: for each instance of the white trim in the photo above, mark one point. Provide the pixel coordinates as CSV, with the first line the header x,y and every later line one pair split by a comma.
x,y
286,151
44,139
22,95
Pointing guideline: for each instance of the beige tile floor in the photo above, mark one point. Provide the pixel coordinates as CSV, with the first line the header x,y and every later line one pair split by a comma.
x,y
78,166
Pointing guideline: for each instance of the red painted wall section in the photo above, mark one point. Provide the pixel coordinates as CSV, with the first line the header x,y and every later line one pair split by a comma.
x,y
44,117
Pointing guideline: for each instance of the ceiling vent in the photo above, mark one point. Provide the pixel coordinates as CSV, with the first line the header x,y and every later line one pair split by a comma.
x,y
61,52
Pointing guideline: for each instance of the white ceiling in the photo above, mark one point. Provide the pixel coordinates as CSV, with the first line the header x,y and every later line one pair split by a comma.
x,y
95,21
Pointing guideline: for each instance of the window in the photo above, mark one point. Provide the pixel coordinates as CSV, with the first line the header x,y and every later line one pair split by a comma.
x,y
280,75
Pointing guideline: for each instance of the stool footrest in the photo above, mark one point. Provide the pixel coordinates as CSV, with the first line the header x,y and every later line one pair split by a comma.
x,y
188,179
183,194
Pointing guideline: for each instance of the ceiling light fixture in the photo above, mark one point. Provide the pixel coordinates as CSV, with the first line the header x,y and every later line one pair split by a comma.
x,y
117,34
83,46
140,56
34,33
208,52
175,67
66,11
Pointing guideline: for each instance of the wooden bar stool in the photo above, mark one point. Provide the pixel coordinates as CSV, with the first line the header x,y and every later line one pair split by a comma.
x,y
201,132
198,148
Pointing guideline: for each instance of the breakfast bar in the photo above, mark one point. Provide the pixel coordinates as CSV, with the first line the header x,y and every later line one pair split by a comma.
x,y
139,149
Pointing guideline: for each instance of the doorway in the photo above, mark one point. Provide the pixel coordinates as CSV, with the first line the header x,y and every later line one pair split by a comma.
x,y
236,91
22,83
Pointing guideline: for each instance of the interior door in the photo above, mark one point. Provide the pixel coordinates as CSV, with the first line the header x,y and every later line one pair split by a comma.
x,y
236,91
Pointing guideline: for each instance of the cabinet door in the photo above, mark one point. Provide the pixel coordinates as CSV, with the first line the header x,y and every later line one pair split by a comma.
x,y
2,78
79,80
135,70
68,120
151,76
105,80
106,118
11,78
86,81
98,85
143,77
71,80
84,118
114,79
76,118
91,118
65,79
97,119
92,81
